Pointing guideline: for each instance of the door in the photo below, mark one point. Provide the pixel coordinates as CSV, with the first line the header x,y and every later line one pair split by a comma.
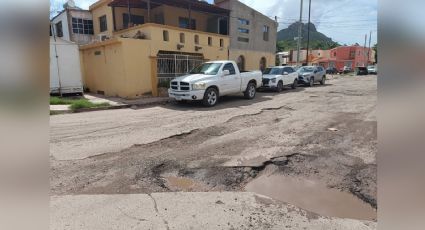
x,y
232,82
289,78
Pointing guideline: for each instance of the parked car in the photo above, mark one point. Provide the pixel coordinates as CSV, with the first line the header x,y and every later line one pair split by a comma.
x,y
211,80
361,71
331,70
346,69
308,75
278,77
372,69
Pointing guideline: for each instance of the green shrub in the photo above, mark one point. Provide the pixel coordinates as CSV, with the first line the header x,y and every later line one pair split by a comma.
x,y
82,104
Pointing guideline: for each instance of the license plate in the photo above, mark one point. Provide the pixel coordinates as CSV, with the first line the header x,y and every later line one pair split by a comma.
x,y
178,98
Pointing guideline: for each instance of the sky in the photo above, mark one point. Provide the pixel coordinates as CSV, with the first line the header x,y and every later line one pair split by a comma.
x,y
345,21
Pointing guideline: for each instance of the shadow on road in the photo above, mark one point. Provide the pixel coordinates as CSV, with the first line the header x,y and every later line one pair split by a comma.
x,y
233,101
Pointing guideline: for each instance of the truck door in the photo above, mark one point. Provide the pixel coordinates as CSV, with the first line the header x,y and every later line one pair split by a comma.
x,y
231,82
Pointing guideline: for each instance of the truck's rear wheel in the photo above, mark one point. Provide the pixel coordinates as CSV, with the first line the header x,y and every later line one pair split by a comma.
x,y
250,91
210,97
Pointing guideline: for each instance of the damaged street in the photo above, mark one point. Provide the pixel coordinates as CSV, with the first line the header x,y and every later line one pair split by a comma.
x,y
313,148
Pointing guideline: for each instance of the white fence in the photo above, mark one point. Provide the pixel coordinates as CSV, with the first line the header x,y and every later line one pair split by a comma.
x,y
170,66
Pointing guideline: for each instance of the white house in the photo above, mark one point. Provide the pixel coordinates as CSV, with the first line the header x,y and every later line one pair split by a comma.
x,y
73,24
282,58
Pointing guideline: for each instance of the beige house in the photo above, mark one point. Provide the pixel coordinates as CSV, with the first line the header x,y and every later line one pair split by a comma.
x,y
252,36
142,44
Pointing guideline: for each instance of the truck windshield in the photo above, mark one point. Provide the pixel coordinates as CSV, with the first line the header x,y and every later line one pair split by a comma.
x,y
207,68
306,70
273,71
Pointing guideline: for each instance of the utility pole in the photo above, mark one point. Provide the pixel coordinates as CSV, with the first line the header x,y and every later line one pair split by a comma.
x,y
308,28
364,49
368,51
300,33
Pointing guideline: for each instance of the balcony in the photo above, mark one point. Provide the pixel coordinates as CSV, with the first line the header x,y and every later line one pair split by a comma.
x,y
185,14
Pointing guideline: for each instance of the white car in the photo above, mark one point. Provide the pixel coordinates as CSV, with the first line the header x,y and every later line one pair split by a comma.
x,y
211,80
278,77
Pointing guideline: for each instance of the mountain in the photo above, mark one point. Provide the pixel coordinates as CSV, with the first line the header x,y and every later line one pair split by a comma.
x,y
318,40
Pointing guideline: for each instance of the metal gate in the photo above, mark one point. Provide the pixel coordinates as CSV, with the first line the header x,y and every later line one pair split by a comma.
x,y
170,66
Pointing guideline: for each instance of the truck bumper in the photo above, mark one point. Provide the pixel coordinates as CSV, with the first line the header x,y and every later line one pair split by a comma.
x,y
194,95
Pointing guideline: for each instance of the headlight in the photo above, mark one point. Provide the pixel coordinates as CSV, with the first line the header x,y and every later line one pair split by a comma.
x,y
273,80
199,86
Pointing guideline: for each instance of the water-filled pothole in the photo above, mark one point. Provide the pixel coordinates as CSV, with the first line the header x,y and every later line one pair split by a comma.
x,y
312,196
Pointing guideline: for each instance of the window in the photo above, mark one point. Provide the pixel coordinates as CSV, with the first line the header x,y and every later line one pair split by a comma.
x,y
266,33
334,54
165,35
184,23
59,30
196,39
103,23
230,67
243,21
135,20
210,41
288,70
182,38
241,39
221,42
244,31
82,26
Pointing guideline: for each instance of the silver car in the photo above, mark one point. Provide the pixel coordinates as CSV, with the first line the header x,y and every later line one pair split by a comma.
x,y
308,75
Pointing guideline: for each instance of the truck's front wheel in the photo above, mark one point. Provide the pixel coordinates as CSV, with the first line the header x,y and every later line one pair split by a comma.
x,y
210,97
250,91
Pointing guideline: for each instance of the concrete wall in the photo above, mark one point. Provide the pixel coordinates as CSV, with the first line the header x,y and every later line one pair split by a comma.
x,y
257,47
123,66
62,17
81,39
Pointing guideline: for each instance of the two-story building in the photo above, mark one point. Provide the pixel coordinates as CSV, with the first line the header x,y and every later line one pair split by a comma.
x,y
350,56
252,36
142,44
73,24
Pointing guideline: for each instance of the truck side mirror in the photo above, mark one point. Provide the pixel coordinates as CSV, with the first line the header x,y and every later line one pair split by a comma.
x,y
285,73
226,72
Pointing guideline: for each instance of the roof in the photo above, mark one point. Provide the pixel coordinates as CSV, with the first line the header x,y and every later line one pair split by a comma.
x,y
193,4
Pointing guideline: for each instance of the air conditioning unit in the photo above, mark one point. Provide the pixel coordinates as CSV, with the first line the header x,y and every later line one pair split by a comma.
x,y
102,37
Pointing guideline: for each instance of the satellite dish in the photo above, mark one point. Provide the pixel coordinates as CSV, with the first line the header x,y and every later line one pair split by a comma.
x,y
69,4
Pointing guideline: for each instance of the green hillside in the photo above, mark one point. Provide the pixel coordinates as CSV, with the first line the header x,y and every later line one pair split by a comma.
x,y
318,40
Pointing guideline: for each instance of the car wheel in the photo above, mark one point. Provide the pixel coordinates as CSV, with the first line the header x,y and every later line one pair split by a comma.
x,y
294,84
279,87
210,97
250,91
311,82
323,81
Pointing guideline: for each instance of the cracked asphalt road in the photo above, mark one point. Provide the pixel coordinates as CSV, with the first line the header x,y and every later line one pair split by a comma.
x,y
223,148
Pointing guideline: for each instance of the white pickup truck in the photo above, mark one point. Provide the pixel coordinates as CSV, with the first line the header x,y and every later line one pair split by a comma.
x,y
211,80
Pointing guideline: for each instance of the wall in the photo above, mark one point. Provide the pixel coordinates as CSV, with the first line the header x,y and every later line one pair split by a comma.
x,y
64,18
81,39
257,21
98,10
123,67
252,58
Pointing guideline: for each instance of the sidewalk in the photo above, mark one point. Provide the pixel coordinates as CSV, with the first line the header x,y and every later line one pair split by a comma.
x,y
114,102
212,210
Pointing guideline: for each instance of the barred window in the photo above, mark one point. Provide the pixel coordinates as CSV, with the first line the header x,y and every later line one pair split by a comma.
x,y
82,26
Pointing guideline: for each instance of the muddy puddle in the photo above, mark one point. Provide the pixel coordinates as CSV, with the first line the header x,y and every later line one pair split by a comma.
x,y
312,196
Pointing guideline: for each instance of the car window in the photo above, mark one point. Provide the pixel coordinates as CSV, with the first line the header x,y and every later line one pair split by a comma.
x,y
230,67
273,71
288,70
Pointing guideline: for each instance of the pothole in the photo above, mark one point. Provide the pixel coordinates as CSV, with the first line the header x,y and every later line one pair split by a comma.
x,y
312,196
